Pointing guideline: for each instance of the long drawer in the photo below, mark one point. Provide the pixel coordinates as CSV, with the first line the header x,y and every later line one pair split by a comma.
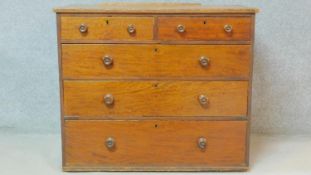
x,y
124,99
119,61
152,144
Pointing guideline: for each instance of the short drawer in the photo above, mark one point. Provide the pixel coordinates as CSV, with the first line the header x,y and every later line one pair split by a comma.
x,y
205,28
154,145
124,99
106,28
117,61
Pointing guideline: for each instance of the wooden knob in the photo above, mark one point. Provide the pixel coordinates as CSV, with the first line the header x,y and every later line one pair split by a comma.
x,y
108,99
228,28
107,60
202,143
131,29
204,61
83,28
181,28
110,142
203,99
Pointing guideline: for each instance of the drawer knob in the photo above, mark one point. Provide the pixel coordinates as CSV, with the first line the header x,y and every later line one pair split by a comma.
x,y
83,28
181,28
204,61
107,60
131,29
203,99
108,98
110,142
202,143
228,28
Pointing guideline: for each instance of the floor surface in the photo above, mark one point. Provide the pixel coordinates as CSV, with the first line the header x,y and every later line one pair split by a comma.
x,y
41,155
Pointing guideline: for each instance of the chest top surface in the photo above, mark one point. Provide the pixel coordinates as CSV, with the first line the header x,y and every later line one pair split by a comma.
x,y
157,8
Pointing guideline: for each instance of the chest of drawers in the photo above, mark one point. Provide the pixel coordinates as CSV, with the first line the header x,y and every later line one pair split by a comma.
x,y
155,87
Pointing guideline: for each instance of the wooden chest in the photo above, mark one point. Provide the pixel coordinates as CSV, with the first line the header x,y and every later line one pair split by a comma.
x,y
155,87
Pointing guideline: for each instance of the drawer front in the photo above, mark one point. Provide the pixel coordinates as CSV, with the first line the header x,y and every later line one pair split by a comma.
x,y
205,28
86,61
126,144
107,28
154,98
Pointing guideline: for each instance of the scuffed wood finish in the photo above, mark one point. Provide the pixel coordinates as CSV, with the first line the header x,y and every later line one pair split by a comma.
x,y
84,61
156,98
157,144
156,8
204,28
106,28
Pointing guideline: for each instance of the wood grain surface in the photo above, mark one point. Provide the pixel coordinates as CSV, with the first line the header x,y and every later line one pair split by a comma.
x,y
157,144
204,28
151,61
106,28
155,98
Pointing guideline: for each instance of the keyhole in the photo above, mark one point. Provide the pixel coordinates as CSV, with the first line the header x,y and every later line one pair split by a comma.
x,y
156,125
156,49
107,22
204,22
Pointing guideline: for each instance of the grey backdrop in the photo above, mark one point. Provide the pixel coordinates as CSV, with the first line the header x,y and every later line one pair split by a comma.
x,y
29,95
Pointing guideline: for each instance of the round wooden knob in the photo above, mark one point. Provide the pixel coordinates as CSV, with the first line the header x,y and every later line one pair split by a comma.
x,y
228,28
110,142
83,28
204,61
203,99
202,143
181,28
108,99
131,29
107,60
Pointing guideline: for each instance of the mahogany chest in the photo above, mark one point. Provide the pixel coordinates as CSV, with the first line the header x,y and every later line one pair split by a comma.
x,y
155,86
